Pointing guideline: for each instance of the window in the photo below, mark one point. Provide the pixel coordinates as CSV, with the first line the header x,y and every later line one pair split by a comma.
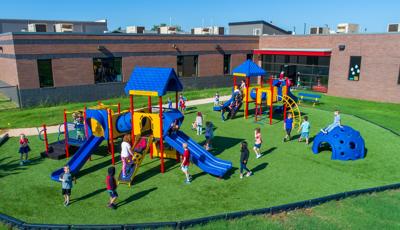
x,y
355,68
257,31
187,65
107,69
249,57
45,72
227,63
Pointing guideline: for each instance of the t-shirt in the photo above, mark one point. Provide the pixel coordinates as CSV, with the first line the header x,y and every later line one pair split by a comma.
x,y
305,127
23,142
111,183
289,123
209,131
199,120
66,182
125,147
186,158
336,120
258,138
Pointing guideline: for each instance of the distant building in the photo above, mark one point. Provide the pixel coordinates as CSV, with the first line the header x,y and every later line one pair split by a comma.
x,y
167,30
211,30
256,28
135,29
319,30
347,28
28,25
393,28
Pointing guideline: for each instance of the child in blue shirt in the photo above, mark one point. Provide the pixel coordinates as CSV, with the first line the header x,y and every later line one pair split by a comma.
x,y
305,130
169,103
287,126
336,123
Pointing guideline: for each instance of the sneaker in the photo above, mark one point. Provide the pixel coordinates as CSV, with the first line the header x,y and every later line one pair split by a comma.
x,y
187,182
21,163
258,156
241,176
109,205
248,174
114,206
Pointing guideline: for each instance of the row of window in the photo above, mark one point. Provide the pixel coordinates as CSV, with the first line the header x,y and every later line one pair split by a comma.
x,y
110,69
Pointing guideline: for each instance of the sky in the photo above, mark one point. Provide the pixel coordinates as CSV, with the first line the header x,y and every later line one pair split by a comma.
x,y
373,16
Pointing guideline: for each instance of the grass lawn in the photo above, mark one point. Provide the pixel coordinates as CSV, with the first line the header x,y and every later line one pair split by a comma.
x,y
52,115
375,211
287,172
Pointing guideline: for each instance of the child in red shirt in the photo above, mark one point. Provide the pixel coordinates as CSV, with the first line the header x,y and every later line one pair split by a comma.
x,y
185,163
23,148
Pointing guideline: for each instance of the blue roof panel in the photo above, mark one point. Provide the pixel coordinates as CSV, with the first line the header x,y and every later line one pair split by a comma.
x,y
250,69
154,79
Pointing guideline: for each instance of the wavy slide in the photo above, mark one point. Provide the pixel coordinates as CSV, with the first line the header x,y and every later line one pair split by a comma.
x,y
199,156
80,157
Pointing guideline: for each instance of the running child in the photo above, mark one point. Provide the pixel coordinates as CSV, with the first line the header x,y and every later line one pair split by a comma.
x,y
244,157
126,151
66,184
186,162
111,187
287,126
305,129
23,149
257,142
199,123
336,123
209,135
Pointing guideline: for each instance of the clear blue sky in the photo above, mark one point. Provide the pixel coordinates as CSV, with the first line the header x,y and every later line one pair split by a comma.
x,y
373,15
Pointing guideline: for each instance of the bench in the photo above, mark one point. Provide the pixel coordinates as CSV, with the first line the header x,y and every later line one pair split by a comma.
x,y
314,98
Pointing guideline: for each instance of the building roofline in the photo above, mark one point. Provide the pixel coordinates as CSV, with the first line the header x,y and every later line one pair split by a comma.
x,y
259,22
337,34
50,21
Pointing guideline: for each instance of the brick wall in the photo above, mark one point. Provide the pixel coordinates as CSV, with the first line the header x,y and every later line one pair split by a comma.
x,y
379,65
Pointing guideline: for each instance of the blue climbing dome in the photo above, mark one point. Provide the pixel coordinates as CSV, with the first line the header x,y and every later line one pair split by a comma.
x,y
346,143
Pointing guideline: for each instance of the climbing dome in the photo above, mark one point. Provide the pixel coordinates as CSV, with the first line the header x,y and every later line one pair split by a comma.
x,y
345,142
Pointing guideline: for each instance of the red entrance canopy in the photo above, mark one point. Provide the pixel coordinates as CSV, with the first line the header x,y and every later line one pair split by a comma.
x,y
295,52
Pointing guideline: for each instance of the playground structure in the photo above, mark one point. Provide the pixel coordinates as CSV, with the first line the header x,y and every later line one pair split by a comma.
x,y
345,142
275,91
158,124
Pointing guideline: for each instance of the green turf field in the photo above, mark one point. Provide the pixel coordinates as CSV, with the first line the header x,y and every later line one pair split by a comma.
x,y
287,172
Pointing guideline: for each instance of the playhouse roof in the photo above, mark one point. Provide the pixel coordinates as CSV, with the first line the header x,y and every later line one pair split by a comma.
x,y
248,69
153,81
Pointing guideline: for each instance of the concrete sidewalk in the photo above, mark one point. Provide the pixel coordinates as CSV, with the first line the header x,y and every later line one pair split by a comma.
x,y
54,129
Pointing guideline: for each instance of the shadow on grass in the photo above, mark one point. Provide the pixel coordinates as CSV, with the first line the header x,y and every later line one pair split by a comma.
x,y
136,196
220,144
268,151
13,167
229,174
84,197
197,175
98,166
147,174
260,167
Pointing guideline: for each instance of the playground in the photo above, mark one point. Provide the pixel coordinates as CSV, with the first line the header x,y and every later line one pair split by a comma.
x,y
287,171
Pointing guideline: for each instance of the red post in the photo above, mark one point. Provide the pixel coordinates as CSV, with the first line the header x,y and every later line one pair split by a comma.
x,y
66,134
132,110
85,125
176,100
99,103
256,112
161,135
284,111
261,82
246,112
46,142
149,103
110,136
151,150
119,107
272,100
234,81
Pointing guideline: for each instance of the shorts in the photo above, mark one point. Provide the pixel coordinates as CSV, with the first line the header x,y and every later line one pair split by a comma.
x,y
304,135
66,191
185,168
112,193
257,146
25,149
288,131
208,138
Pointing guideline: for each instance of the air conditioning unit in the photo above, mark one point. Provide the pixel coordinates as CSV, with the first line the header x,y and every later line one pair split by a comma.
x,y
37,27
64,27
394,28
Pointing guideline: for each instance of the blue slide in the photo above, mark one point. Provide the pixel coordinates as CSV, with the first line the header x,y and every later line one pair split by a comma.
x,y
199,156
80,157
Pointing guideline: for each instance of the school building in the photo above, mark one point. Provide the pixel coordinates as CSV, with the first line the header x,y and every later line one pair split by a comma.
x,y
67,67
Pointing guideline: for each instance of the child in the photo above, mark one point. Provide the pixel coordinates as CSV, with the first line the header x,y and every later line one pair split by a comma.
x,y
223,111
287,126
242,85
258,142
209,135
23,148
216,99
174,127
169,103
305,129
182,104
111,187
244,157
66,184
199,123
185,163
194,125
126,151
336,122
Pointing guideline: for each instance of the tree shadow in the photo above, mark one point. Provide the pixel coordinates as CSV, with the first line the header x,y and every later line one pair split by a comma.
x,y
260,167
136,196
13,167
84,197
